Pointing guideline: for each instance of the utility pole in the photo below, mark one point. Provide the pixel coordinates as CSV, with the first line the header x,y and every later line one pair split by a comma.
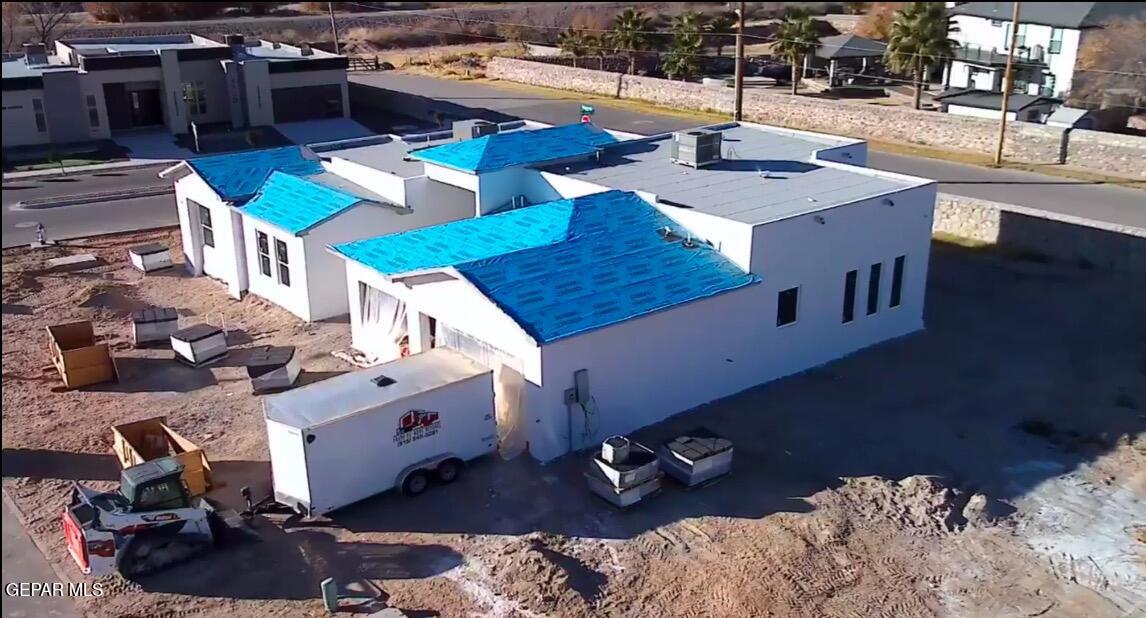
x,y
1008,79
738,110
334,28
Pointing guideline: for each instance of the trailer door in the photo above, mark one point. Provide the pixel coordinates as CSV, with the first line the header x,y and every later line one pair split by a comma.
x,y
288,464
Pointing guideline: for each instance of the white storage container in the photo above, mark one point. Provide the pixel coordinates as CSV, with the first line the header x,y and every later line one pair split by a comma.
x,y
153,325
345,439
272,368
639,465
621,497
149,257
199,344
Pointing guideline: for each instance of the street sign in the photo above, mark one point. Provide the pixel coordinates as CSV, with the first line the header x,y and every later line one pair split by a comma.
x,y
587,110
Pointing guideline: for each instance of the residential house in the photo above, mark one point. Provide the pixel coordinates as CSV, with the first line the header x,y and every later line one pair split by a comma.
x,y
662,276
1049,37
94,89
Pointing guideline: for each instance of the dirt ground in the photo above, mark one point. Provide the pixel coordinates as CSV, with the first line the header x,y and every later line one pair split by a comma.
x,y
993,465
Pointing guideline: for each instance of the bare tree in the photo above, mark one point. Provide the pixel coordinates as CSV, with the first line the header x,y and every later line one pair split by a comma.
x,y
48,20
1111,58
12,19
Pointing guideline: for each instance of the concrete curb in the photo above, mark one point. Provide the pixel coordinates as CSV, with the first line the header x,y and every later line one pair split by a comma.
x,y
19,515
85,169
88,198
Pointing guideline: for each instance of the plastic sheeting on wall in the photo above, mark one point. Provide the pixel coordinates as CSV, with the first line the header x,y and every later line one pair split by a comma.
x,y
383,320
508,385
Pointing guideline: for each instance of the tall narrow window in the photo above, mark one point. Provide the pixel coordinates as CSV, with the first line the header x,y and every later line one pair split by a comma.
x,y
264,248
873,288
1055,46
93,111
38,111
284,263
208,228
897,281
850,296
196,97
786,306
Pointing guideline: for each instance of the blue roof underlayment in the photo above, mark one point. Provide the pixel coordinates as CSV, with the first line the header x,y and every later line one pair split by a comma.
x,y
564,267
502,150
295,204
239,175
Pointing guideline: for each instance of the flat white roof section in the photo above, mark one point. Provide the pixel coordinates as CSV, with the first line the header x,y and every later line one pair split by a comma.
x,y
389,157
764,175
331,399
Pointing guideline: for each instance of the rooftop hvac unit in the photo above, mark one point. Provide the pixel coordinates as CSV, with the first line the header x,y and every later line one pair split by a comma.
x,y
471,129
696,148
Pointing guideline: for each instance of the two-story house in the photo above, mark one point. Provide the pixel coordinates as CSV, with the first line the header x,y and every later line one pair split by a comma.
x,y
1047,41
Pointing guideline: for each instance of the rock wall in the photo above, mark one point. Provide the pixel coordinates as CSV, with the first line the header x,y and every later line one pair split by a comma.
x,y
1106,152
1044,234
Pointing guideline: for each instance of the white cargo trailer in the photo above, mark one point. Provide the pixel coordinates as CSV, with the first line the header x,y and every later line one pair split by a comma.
x,y
401,424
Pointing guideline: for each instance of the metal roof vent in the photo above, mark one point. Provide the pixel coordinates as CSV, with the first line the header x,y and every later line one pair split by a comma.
x,y
695,148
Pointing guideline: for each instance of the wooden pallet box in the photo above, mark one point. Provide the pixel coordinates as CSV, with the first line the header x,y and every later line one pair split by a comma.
x,y
76,355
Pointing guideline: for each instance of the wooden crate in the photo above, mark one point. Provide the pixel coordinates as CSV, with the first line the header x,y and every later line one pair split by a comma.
x,y
77,356
135,443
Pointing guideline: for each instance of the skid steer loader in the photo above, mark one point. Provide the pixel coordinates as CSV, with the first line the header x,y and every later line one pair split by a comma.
x,y
149,523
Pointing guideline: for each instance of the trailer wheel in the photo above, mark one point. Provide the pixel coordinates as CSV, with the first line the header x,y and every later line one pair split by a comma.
x,y
416,482
449,470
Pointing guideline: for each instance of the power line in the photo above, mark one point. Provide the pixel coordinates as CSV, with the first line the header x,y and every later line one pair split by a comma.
x,y
459,18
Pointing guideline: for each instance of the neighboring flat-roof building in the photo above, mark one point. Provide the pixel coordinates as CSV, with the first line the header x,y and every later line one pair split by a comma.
x,y
982,104
667,272
89,89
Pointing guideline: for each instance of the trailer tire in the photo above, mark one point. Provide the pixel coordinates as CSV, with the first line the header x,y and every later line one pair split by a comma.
x,y
449,470
415,483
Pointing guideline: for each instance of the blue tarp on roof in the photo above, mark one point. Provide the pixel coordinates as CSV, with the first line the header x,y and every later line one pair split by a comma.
x,y
239,175
502,150
295,204
565,267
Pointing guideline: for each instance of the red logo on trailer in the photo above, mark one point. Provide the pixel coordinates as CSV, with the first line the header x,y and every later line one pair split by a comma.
x,y
415,425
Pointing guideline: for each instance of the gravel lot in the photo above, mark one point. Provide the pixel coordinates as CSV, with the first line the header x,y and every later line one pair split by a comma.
x,y
993,465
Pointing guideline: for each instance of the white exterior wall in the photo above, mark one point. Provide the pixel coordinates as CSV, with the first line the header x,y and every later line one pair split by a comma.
x,y
293,298
20,119
993,114
296,79
978,32
225,261
496,189
210,73
707,349
389,186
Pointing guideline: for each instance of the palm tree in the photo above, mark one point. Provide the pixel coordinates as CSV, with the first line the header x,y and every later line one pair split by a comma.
x,y
795,38
597,46
918,39
686,48
720,26
573,43
630,34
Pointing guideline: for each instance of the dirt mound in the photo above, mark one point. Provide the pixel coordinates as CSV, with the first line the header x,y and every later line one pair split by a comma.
x,y
539,572
916,503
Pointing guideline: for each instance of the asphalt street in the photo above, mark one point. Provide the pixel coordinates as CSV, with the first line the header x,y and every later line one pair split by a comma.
x,y
1110,203
84,219
23,563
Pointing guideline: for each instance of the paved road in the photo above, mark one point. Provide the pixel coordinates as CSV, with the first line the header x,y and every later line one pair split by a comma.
x,y
85,219
1097,201
22,562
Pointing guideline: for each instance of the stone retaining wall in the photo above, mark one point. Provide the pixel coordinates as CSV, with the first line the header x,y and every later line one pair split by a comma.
x,y
1034,232
1106,152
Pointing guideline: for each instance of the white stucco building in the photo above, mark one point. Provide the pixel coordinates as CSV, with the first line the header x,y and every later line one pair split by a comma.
x,y
1049,37
654,285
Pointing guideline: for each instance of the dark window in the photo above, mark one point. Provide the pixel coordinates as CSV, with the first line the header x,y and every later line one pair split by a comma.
x,y
873,288
284,263
38,111
208,229
165,495
1055,46
93,111
850,296
897,281
264,253
786,304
